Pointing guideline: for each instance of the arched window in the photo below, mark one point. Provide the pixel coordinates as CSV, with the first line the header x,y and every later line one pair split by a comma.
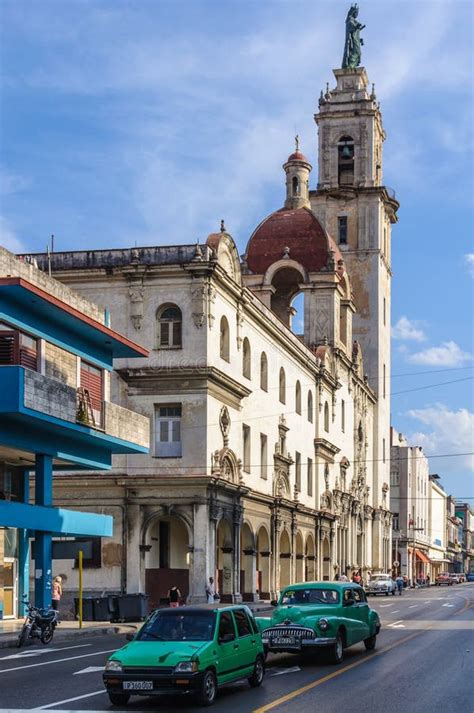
x,y
263,372
310,406
282,386
296,186
298,397
345,160
224,336
169,321
326,417
246,359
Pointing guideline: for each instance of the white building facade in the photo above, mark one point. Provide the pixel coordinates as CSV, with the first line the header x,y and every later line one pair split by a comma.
x,y
270,451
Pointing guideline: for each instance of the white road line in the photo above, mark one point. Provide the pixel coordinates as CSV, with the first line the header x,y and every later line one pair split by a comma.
x,y
412,606
68,700
281,672
395,611
89,669
397,624
40,652
47,663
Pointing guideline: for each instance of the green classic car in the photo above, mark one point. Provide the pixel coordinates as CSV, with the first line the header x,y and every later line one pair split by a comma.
x,y
187,649
320,615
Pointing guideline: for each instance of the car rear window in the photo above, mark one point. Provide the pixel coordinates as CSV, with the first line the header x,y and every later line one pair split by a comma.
x,y
310,596
178,625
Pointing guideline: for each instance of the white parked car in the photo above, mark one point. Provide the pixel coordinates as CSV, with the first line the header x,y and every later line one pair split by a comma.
x,y
381,584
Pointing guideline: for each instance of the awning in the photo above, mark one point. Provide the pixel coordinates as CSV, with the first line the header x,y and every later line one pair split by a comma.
x,y
421,556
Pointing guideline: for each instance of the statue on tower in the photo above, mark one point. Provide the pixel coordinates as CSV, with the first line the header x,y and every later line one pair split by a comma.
x,y
352,48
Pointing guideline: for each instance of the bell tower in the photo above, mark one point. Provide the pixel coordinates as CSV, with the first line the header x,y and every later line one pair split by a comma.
x,y
358,211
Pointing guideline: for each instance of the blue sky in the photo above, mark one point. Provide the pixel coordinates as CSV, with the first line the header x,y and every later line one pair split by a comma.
x,y
147,122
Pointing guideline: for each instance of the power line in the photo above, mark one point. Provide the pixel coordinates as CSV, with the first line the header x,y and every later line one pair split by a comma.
x,y
430,386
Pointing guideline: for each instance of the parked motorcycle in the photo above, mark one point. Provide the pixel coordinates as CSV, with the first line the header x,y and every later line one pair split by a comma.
x,y
39,624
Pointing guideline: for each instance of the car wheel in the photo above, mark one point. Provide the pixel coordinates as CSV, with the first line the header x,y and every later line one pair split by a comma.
x,y
336,651
386,594
208,689
370,642
256,678
119,699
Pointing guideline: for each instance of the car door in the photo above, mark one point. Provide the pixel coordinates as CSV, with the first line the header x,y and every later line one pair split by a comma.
x,y
361,607
246,641
227,647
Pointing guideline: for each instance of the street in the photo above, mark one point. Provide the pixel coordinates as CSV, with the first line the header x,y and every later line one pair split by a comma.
x,y
423,662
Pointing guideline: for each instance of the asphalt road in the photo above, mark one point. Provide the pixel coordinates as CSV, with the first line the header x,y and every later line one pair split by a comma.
x,y
424,661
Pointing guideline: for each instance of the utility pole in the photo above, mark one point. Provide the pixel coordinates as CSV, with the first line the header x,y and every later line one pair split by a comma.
x,y
413,561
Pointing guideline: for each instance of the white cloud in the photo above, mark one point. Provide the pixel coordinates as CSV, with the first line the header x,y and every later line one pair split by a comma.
x,y
446,432
406,329
469,260
447,354
8,238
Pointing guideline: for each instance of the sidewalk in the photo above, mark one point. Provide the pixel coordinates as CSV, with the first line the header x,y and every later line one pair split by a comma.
x,y
66,630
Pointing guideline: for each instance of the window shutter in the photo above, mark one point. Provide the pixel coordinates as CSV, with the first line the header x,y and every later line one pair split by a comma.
x,y
7,348
91,379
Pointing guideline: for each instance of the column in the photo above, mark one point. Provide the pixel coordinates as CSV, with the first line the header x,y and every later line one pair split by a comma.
x,y
43,540
203,564
24,551
236,594
134,556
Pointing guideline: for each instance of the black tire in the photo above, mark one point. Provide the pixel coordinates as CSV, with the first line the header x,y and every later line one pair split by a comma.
x,y
256,678
23,636
47,635
336,651
370,642
208,689
386,594
119,699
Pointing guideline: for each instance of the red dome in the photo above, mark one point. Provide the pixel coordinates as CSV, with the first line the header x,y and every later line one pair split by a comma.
x,y
300,231
297,156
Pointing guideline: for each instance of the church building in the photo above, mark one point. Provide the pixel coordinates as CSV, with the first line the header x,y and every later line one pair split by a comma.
x,y
269,458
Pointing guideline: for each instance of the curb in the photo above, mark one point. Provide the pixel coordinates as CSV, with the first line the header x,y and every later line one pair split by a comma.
x,y
11,641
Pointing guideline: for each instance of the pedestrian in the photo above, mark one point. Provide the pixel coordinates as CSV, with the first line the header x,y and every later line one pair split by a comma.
x,y
399,582
356,577
428,580
210,591
174,595
344,578
57,592
337,577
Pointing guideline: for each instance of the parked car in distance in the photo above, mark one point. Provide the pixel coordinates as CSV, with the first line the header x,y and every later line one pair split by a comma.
x,y
461,577
187,650
443,578
381,584
455,577
314,616
470,577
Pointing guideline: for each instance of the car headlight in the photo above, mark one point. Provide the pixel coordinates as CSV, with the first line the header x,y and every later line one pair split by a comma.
x,y
186,667
323,624
113,665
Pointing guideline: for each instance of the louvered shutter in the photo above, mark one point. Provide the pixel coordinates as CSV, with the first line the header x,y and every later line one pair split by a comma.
x,y
91,379
7,348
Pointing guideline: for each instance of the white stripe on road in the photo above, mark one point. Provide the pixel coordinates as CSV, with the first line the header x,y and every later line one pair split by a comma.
x,y
282,671
89,669
46,663
412,606
395,611
397,624
68,700
39,652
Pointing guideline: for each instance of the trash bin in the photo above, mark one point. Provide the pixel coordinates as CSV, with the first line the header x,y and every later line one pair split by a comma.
x,y
87,608
131,607
102,611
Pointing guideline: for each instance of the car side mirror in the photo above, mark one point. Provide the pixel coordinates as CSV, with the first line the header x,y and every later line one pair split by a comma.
x,y
226,638
129,636
274,602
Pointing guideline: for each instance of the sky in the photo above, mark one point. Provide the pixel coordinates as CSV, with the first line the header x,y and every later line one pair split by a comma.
x,y
145,122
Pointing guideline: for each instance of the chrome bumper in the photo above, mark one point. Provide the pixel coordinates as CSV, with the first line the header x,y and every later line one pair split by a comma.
x,y
300,645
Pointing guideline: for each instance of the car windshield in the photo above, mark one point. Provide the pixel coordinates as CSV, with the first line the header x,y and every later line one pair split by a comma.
x,y
178,625
310,596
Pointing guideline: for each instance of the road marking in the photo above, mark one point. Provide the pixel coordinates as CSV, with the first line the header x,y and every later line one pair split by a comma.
x,y
47,663
447,605
385,605
412,606
396,624
282,672
89,669
39,652
395,611
68,700
339,672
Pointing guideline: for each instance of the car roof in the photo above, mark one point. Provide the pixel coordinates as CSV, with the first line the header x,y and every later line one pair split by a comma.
x,y
322,585
198,609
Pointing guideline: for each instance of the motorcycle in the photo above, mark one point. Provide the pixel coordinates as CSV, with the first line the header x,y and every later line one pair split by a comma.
x,y
39,624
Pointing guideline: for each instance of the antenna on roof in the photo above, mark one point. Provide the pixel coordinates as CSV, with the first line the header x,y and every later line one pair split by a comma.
x,y
52,243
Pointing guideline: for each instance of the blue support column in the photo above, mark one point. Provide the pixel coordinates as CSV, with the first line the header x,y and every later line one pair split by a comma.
x,y
43,540
24,552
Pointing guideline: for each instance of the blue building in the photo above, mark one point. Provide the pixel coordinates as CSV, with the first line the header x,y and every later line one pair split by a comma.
x,y
56,355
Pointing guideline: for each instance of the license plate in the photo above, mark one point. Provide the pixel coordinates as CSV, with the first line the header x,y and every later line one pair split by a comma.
x,y
138,685
285,641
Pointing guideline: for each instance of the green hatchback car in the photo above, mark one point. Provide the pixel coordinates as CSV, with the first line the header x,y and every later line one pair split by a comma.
x,y
187,650
320,615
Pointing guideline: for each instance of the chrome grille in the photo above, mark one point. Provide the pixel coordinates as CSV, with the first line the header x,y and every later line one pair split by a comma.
x,y
300,632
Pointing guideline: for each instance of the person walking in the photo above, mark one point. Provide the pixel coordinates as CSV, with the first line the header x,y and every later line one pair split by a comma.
x,y
57,592
174,595
399,583
210,591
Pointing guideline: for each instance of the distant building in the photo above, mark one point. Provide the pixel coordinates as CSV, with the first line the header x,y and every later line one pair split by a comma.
x,y
465,513
410,496
437,514
56,356
454,537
